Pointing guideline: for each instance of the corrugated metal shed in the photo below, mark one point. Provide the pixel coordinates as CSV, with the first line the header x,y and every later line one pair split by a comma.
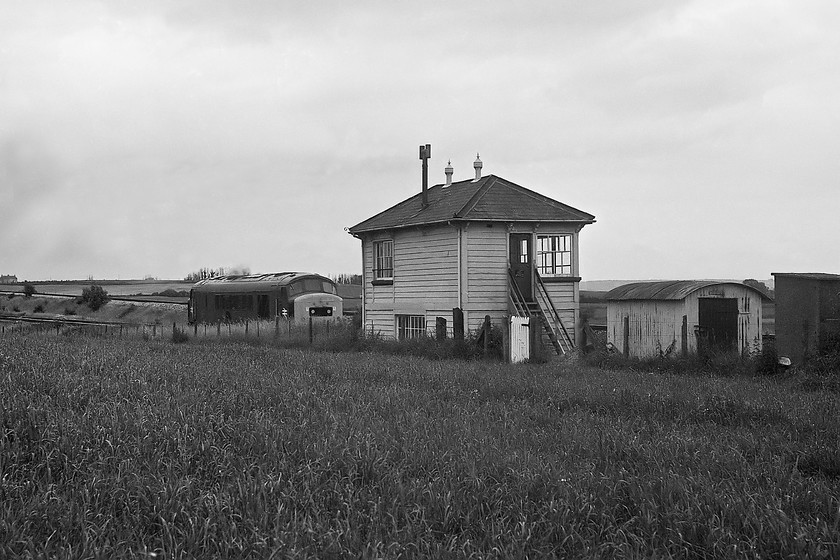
x,y
661,318
491,198
666,290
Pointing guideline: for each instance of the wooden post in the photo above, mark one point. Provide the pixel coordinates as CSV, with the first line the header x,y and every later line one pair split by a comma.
x,y
534,338
276,325
311,333
218,327
440,328
246,326
486,335
258,329
458,323
684,336
627,336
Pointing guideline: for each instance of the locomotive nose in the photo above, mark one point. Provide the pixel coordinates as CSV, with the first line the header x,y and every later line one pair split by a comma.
x,y
318,305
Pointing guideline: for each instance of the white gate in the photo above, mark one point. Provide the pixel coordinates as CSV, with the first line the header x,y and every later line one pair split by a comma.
x,y
520,338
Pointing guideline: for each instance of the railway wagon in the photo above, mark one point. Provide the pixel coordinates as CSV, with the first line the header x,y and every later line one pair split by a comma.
x,y
296,295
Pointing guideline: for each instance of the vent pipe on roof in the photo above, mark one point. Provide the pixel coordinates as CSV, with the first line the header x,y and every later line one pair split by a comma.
x,y
425,154
477,165
448,171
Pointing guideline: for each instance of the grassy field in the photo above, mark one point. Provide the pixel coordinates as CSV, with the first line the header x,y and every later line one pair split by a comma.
x,y
153,449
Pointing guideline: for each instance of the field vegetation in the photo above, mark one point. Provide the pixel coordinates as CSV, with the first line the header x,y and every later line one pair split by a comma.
x,y
132,447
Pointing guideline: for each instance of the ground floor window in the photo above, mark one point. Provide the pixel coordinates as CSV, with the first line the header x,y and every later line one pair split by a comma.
x,y
554,255
410,326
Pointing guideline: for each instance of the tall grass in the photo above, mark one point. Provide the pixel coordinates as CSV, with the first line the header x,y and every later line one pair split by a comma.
x,y
132,448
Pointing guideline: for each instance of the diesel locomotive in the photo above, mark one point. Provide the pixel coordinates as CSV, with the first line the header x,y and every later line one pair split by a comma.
x,y
296,295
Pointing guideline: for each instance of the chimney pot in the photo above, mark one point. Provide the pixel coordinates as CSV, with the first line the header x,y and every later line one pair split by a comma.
x,y
477,165
448,171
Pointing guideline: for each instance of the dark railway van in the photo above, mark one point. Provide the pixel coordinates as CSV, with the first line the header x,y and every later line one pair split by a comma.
x,y
296,295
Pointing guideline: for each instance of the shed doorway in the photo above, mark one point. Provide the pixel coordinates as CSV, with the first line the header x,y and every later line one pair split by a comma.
x,y
718,322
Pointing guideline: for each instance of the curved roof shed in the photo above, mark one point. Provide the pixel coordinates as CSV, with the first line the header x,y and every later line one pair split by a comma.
x,y
666,317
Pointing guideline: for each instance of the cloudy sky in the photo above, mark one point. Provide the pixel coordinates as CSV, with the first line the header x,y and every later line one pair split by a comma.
x,y
155,138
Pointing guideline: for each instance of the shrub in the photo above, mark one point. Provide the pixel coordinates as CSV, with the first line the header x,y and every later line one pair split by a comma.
x,y
127,310
69,311
179,336
28,290
38,308
95,297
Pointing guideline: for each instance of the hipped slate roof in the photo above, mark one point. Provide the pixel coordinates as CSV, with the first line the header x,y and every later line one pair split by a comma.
x,y
666,290
490,198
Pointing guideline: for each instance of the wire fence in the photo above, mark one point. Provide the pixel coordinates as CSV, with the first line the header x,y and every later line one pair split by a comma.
x,y
283,330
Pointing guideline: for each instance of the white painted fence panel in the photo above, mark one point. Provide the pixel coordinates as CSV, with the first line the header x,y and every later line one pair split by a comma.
x,y
519,339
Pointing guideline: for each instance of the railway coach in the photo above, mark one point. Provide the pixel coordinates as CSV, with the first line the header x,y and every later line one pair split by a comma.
x,y
296,295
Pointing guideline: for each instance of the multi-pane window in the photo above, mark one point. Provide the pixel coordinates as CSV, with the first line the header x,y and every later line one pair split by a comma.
x,y
411,326
554,255
383,260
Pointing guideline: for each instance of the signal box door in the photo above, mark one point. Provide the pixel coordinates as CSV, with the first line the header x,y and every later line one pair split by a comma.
x,y
521,265
718,319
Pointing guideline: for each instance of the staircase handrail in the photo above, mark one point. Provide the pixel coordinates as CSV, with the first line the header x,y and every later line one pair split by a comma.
x,y
519,302
543,292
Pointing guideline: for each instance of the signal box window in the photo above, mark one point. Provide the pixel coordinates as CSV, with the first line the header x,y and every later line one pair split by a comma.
x,y
411,326
554,255
383,260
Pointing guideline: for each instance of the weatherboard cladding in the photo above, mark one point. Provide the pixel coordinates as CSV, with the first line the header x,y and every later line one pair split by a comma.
x,y
490,198
665,290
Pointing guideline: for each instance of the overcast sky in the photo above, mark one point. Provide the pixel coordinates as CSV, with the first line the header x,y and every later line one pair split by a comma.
x,y
156,138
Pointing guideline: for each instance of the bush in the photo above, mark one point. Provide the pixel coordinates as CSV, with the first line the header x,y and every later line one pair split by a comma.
x,y
38,308
28,290
179,336
69,311
95,297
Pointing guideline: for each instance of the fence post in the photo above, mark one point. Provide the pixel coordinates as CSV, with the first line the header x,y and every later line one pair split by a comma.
x,y
276,325
486,335
458,323
626,337
440,328
258,329
219,327
195,330
154,330
311,333
246,327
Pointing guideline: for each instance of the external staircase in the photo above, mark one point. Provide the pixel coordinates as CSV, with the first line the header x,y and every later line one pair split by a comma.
x,y
541,309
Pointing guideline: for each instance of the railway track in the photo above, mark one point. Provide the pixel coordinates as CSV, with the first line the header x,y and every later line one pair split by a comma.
x,y
65,321
130,299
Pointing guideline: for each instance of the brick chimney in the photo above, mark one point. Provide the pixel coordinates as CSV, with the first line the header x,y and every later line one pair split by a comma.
x,y
448,171
477,165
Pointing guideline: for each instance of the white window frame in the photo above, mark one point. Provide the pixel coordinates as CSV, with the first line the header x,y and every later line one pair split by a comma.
x,y
555,254
383,259
410,326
